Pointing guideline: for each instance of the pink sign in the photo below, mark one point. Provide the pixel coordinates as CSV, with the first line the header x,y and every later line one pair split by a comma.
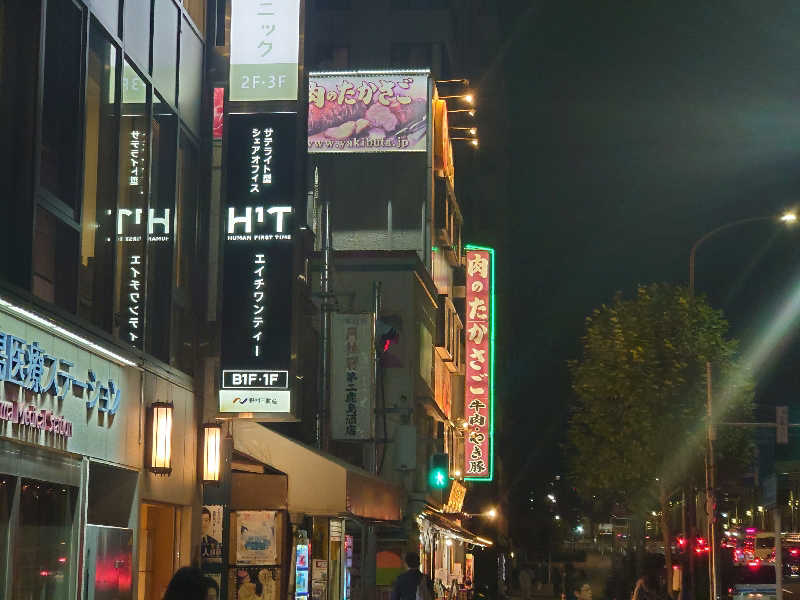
x,y
368,112
479,356
219,114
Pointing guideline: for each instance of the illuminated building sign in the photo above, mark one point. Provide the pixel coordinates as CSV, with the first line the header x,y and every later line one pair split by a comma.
x,y
134,294
479,378
265,45
35,373
368,111
258,264
137,155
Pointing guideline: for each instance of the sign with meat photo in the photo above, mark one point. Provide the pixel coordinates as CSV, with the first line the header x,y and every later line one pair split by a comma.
x,y
368,111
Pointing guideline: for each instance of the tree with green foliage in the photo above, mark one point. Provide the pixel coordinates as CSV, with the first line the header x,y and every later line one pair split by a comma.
x,y
637,431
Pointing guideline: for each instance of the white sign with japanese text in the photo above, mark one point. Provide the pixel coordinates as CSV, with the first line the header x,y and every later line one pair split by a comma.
x,y
265,44
352,380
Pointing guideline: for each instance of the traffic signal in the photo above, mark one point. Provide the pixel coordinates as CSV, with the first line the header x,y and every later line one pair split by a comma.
x,y
439,476
386,335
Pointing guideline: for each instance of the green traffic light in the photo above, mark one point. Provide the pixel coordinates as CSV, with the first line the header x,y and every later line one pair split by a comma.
x,y
438,479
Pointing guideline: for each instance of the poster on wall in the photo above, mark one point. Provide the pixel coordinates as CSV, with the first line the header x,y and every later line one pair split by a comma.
x,y
368,111
352,376
211,542
265,44
256,583
258,264
256,534
479,377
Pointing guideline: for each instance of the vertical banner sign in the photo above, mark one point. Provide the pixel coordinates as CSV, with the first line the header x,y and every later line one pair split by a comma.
x,y
265,45
352,376
258,269
479,379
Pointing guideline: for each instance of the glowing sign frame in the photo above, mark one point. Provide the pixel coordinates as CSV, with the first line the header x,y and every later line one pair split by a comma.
x,y
467,395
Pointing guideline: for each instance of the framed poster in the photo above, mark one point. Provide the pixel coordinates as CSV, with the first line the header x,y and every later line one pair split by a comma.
x,y
256,583
256,537
212,540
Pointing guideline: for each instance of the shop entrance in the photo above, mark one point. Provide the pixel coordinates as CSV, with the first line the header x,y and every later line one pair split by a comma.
x,y
157,542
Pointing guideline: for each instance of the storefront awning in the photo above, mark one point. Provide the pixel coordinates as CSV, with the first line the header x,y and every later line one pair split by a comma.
x,y
318,483
453,529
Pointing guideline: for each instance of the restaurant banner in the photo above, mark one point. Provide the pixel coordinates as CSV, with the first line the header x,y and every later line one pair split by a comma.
x,y
479,379
368,111
352,376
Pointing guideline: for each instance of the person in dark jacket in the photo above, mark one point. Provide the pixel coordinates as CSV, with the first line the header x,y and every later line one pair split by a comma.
x,y
405,586
189,583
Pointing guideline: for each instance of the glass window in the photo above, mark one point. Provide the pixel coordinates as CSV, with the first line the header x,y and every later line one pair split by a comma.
x,y
99,182
61,122
160,240
6,494
55,254
330,56
165,49
107,11
136,32
132,215
42,552
191,77
186,211
197,10
411,55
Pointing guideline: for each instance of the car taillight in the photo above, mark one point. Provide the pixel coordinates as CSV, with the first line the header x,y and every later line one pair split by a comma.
x,y
794,551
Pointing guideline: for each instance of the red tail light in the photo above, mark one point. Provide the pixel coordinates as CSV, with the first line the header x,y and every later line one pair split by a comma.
x,y
794,551
754,563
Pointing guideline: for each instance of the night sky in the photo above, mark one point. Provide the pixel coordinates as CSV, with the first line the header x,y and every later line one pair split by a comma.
x,y
632,128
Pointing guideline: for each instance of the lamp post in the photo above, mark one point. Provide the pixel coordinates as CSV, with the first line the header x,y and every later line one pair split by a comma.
x,y
787,218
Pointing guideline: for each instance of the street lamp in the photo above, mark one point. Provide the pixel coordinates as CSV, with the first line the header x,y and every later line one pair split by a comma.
x,y
471,130
470,111
788,218
473,141
468,98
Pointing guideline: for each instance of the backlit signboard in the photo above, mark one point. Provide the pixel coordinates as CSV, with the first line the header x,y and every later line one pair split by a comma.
x,y
368,111
479,378
258,264
265,44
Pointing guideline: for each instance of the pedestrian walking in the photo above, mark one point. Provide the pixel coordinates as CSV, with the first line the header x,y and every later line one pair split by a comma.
x,y
581,588
412,585
646,588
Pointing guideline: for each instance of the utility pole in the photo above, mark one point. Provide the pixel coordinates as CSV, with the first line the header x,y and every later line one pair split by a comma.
x,y
327,306
711,500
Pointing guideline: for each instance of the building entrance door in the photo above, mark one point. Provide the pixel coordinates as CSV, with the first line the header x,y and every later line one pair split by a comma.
x,y
157,539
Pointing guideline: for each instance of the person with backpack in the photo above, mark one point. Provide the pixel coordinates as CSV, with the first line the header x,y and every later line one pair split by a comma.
x,y
412,585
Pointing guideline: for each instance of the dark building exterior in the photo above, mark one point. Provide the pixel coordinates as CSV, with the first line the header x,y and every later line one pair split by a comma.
x,y
104,222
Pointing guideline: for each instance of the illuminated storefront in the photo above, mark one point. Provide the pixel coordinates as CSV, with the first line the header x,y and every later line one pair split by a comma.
x,y
86,477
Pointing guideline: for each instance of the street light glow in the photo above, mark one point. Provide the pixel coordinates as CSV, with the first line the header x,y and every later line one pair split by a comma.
x,y
491,513
551,498
557,517
789,217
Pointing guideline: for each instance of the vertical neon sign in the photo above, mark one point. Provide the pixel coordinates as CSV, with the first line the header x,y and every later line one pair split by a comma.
x,y
479,379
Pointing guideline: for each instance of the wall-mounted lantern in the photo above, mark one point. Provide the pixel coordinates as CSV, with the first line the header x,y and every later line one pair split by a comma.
x,y
160,437
212,436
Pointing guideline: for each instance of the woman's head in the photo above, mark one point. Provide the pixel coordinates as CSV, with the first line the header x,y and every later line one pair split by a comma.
x,y
189,583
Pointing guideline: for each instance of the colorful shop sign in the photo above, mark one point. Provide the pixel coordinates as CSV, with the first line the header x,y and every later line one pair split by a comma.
x,y
479,378
368,111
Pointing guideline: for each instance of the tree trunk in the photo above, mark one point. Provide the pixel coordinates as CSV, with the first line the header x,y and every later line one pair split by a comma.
x,y
666,534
